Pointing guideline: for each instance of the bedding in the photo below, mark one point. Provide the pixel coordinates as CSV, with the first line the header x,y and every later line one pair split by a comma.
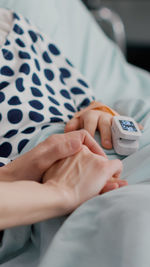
x,y
81,40
116,223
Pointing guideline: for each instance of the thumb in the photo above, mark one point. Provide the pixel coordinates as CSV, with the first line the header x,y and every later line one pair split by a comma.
x,y
63,148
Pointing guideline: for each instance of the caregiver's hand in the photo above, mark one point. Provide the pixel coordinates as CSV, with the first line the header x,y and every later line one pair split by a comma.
x,y
34,163
80,177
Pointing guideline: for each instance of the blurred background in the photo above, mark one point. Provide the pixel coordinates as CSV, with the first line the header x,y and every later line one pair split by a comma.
x,y
127,22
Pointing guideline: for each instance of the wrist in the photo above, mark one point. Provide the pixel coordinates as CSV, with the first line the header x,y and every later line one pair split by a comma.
x,y
61,197
28,202
25,167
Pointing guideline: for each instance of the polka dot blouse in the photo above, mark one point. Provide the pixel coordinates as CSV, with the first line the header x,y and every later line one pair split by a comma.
x,y
38,87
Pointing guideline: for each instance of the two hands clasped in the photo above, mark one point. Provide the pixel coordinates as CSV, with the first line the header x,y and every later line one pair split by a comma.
x,y
60,173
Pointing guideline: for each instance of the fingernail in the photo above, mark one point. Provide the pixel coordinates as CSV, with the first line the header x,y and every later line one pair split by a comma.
x,y
108,143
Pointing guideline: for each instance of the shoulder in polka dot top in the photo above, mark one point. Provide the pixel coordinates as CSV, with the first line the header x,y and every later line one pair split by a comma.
x,y
38,87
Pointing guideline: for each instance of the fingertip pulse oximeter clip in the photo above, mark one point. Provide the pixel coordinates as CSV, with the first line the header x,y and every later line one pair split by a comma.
x,y
125,135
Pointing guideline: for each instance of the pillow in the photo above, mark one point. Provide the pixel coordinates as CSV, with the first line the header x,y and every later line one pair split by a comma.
x,y
77,34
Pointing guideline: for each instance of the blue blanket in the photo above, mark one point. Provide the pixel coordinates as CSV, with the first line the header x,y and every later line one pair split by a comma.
x,y
111,230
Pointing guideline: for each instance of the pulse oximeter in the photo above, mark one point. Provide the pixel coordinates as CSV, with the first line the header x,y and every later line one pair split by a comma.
x,y
125,135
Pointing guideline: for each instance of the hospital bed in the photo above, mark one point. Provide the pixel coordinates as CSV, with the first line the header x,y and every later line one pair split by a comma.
x,y
110,230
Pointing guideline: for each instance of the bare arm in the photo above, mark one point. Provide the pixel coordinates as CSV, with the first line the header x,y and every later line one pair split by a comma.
x,y
66,185
33,164
27,202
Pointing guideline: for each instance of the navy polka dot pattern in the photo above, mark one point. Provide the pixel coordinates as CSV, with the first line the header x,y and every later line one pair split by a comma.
x,y
10,133
33,49
22,144
38,87
36,92
25,68
35,116
7,42
19,84
14,100
36,79
20,42
49,74
5,149
50,89
2,97
46,57
14,115
18,29
83,83
55,111
65,93
37,64
3,85
29,130
77,91
53,100
69,107
53,49
7,71
24,55
33,36
36,104
7,54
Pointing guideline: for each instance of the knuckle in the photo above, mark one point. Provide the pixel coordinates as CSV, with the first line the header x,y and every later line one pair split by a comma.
x,y
85,149
106,119
84,132
89,114
120,164
101,163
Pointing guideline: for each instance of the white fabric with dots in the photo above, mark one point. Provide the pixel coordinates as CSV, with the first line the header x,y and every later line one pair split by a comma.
x,y
38,87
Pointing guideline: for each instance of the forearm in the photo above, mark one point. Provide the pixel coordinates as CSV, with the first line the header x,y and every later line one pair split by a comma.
x,y
24,202
28,167
33,164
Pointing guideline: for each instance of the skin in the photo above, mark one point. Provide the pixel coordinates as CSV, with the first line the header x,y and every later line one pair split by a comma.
x,y
33,164
67,176
93,120
25,198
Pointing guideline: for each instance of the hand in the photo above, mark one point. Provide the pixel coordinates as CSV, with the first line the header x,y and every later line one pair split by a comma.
x,y
92,120
81,177
34,163
112,184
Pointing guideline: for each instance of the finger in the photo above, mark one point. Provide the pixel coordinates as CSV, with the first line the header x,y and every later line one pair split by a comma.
x,y
90,142
90,120
59,146
109,187
104,126
72,125
122,183
114,168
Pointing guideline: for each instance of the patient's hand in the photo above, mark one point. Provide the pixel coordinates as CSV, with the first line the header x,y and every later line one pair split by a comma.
x,y
112,184
81,177
92,120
